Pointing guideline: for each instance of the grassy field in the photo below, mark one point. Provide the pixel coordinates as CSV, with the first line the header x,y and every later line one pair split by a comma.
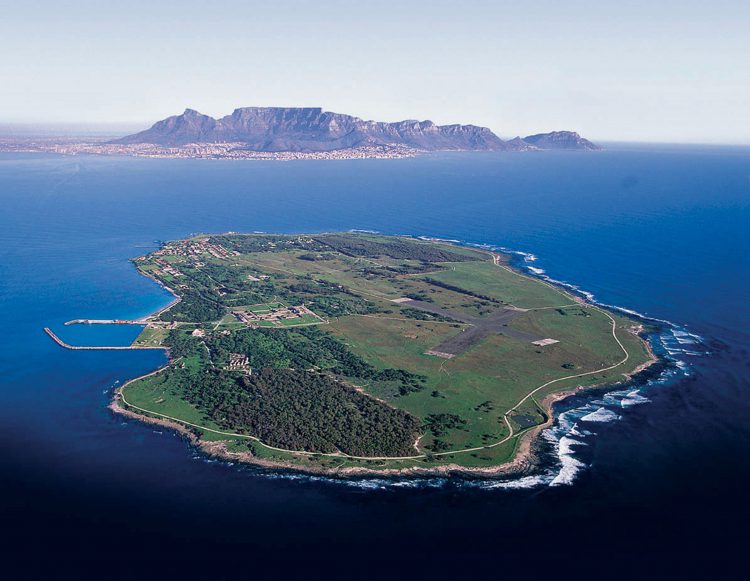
x,y
486,278
462,400
160,395
151,337
481,384
265,308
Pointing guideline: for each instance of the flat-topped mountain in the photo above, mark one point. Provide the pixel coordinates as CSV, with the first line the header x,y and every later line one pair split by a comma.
x,y
310,129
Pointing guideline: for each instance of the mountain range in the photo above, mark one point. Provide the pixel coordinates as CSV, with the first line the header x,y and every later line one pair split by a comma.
x,y
310,129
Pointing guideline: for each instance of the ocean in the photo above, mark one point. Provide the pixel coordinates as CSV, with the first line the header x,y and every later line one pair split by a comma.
x,y
650,480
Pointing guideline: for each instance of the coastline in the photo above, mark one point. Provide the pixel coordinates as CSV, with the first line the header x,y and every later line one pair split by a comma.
x,y
525,457
175,297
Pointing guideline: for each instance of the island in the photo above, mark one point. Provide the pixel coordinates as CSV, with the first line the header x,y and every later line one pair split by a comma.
x,y
353,353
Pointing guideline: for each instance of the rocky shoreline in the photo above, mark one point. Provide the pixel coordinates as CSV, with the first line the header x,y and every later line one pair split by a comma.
x,y
523,463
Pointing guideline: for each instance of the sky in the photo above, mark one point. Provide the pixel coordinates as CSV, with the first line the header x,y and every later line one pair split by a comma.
x,y
662,71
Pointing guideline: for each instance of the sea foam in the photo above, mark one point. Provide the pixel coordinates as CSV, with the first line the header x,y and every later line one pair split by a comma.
x,y
601,415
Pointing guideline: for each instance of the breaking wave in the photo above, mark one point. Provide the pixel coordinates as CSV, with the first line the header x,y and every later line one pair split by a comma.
x,y
672,343
601,415
578,417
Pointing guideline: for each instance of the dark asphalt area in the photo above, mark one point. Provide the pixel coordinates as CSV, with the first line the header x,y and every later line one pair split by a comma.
x,y
480,327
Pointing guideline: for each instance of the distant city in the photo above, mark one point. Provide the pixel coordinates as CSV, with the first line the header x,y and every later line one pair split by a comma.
x,y
198,150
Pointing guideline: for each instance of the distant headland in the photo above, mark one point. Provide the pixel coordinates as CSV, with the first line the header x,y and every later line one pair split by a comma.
x,y
303,133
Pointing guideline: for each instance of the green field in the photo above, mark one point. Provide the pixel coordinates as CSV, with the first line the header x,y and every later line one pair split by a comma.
x,y
484,278
265,307
151,337
425,349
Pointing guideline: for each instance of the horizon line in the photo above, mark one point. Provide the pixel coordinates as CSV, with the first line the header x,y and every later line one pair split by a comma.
x,y
67,128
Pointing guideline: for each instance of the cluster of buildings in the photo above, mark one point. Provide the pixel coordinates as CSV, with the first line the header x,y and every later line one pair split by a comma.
x,y
205,150
163,266
195,249
258,278
169,269
190,249
272,314
205,246
239,362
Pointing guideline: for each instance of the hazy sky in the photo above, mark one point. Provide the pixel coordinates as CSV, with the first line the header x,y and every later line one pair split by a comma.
x,y
660,70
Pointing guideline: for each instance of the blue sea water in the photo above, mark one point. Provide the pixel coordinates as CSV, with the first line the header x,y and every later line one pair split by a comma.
x,y
650,480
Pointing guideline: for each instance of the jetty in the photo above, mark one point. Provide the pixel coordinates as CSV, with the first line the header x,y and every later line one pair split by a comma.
x,y
65,345
106,322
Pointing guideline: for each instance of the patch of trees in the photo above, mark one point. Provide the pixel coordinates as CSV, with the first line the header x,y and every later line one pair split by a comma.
x,y
420,296
415,268
576,312
327,298
407,268
197,279
439,445
265,350
309,287
254,297
307,348
341,305
458,289
317,287
194,306
248,243
371,272
348,364
485,406
181,343
312,257
439,424
398,248
226,286
302,410
233,277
